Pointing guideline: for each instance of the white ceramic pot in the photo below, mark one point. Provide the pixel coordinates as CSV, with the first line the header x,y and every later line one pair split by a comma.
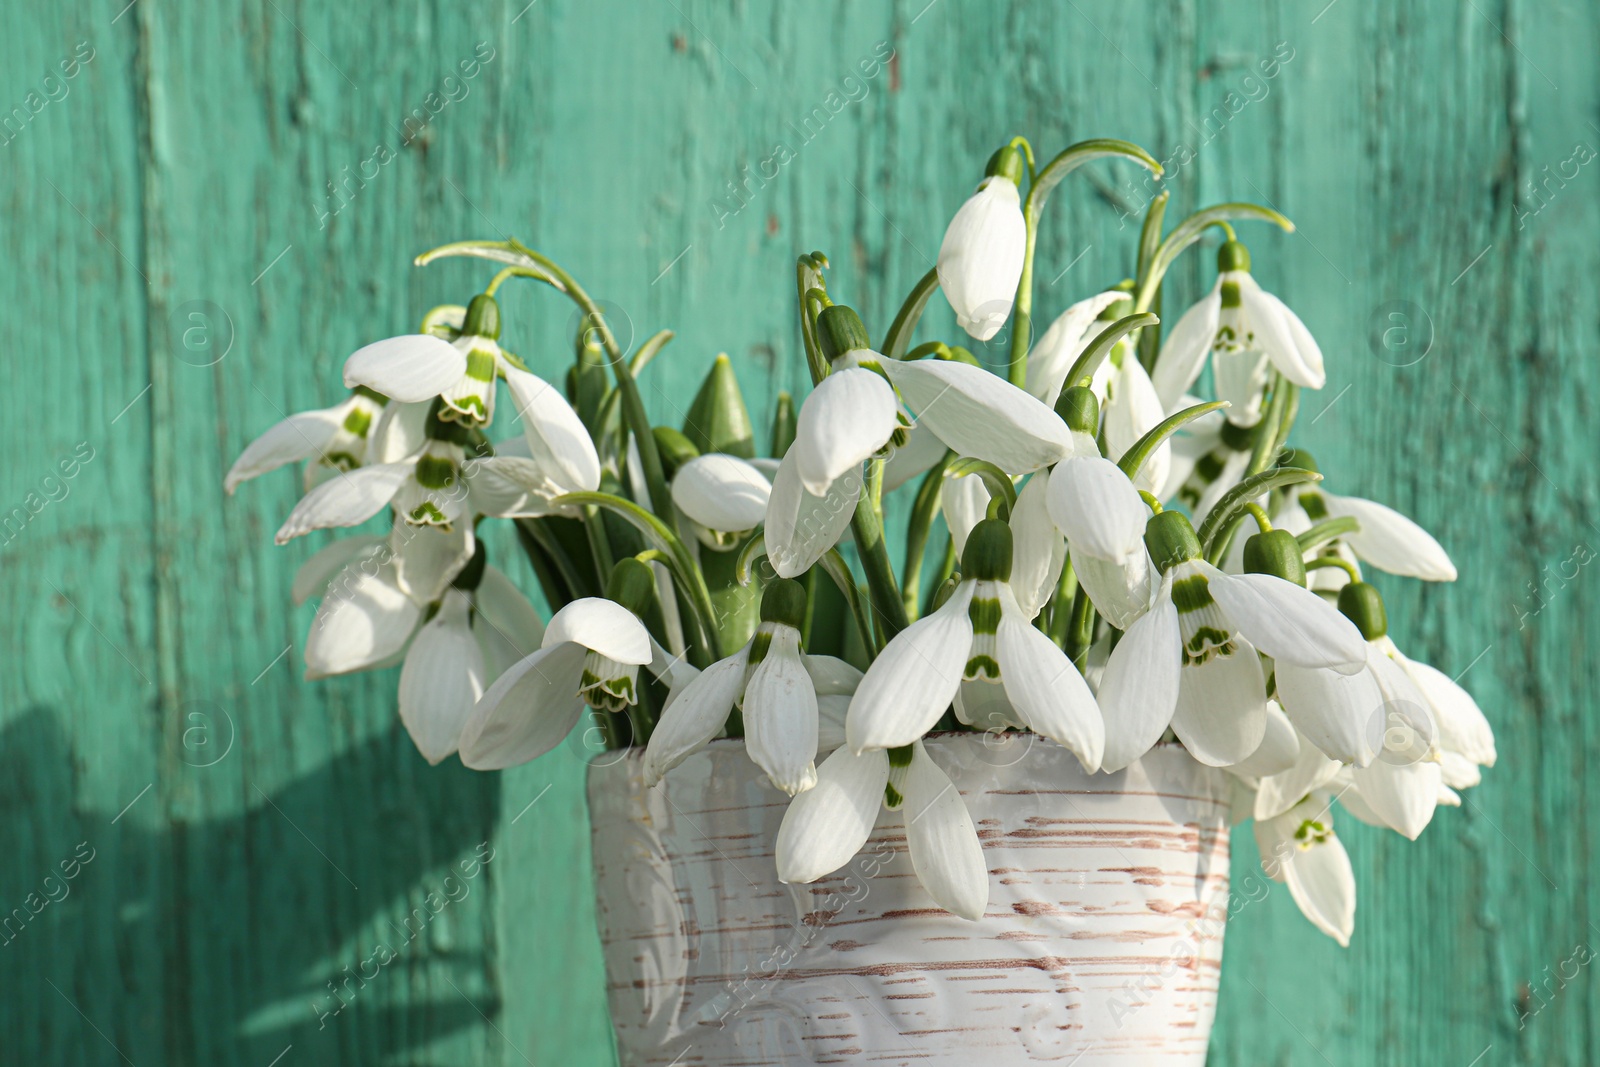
x,y
1101,945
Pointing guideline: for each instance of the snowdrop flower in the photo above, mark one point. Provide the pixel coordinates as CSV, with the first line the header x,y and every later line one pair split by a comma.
x,y
980,261
1190,661
723,497
827,825
981,647
417,367
590,656
1120,384
853,415
335,439
1278,753
1300,849
1103,518
777,685
420,466
1385,539
1245,328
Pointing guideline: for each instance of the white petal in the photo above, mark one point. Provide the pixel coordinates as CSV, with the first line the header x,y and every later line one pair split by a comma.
x,y
1324,888
914,678
965,502
1045,687
1221,715
410,368
1404,796
1134,411
827,824
1099,510
363,620
849,416
944,846
1463,729
1059,347
1391,542
1183,354
1265,314
1120,592
1038,552
1139,690
1288,623
529,710
441,681
800,528
301,436
426,560
980,414
831,676
400,432
347,499
1278,751
980,259
722,492
1288,343
1279,792
831,713
1335,711
557,438
315,573
507,623
695,715
780,715
509,487
602,625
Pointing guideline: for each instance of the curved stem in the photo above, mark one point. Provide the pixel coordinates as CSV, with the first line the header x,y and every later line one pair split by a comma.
x,y
925,507
1085,365
1325,531
1039,189
1187,233
882,588
905,323
1134,457
1335,561
837,569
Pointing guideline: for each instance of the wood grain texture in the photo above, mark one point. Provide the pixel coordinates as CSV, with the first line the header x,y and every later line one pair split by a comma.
x,y
188,160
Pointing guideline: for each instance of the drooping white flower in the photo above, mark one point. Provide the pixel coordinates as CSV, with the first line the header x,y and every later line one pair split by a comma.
x,y
1300,849
1103,518
723,497
1245,329
1385,538
778,686
590,656
827,825
980,260
1190,661
333,439
980,651
418,367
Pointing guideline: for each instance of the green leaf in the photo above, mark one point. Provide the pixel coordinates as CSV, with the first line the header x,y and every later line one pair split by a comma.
x,y
1084,367
1134,458
718,420
905,323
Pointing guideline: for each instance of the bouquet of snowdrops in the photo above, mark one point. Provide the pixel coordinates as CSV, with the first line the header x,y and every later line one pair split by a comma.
x,y
1123,564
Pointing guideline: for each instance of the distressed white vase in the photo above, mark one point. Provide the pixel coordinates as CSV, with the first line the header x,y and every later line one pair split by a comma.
x,y
1102,942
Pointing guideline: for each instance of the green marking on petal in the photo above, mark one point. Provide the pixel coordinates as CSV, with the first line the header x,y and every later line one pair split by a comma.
x,y
760,645
1191,594
427,514
358,422
435,472
481,365
891,796
901,757
979,666
1316,508
1230,298
985,615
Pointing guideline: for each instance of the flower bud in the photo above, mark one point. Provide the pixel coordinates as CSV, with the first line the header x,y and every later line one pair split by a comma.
x,y
784,601
1275,552
632,584
1298,457
1079,409
1233,256
483,318
987,556
1171,539
674,447
1362,604
783,424
839,330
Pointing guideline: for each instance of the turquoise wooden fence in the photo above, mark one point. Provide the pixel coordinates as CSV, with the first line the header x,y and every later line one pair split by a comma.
x,y
208,205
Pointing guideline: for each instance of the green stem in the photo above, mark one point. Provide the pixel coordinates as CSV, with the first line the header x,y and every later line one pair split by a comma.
x,y
632,403
1082,634
882,588
1326,531
947,567
1061,606
1039,189
599,544
923,510
1134,458
1335,561
837,569
905,323
1149,241
1258,513
1187,233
